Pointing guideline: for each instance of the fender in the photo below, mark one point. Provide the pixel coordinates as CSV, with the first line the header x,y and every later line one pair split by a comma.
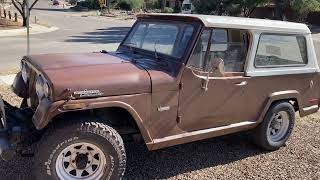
x,y
281,95
47,111
19,87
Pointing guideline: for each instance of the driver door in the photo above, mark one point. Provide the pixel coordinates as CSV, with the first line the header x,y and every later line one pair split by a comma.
x,y
224,102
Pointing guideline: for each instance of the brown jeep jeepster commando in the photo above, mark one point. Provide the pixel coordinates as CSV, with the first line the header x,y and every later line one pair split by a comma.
x,y
174,79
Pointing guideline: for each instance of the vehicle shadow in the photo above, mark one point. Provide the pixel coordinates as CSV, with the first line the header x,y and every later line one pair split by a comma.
x,y
166,163
52,9
102,36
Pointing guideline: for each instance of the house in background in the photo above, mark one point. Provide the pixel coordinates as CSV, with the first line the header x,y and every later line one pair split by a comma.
x,y
268,11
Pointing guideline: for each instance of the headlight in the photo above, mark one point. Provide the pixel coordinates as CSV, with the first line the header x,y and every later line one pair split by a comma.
x,y
42,87
24,71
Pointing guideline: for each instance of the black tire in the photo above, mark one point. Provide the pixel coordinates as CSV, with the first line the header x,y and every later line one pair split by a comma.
x,y
260,134
59,137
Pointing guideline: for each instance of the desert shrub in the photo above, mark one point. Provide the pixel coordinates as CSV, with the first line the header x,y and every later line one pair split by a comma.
x,y
129,5
90,4
152,4
125,5
168,10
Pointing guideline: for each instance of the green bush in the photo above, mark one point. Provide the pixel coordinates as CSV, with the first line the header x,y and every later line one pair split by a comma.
x,y
168,10
125,5
152,4
90,4
129,5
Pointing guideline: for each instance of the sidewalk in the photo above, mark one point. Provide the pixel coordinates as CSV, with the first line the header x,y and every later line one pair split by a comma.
x,y
34,29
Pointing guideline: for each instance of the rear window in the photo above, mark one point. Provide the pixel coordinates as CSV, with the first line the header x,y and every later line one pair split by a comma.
x,y
281,50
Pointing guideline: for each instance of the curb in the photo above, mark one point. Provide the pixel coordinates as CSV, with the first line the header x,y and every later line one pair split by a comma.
x,y
34,29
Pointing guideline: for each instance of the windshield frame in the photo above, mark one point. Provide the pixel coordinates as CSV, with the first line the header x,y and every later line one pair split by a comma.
x,y
196,26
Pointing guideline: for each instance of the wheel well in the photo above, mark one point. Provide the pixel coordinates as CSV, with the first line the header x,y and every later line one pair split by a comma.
x,y
292,101
118,118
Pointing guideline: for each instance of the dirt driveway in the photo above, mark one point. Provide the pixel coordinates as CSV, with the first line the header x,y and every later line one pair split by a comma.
x,y
228,157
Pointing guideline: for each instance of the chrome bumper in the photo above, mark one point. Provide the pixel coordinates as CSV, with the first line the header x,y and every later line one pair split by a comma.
x,y
6,152
3,117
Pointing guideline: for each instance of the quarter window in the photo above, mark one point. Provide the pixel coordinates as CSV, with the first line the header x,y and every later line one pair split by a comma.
x,y
281,50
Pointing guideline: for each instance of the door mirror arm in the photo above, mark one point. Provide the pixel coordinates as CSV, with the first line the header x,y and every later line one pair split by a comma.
x,y
217,66
205,82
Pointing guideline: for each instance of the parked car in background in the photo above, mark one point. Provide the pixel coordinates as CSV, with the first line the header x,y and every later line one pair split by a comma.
x,y
187,7
174,79
55,2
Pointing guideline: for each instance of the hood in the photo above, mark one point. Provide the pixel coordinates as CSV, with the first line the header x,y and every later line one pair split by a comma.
x,y
93,72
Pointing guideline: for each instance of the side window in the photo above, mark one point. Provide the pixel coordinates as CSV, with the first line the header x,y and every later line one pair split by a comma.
x,y
197,59
231,46
281,50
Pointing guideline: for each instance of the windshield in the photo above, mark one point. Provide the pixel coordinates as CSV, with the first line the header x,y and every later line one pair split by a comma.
x,y
163,38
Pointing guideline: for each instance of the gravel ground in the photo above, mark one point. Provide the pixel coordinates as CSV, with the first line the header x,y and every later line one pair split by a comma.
x,y
227,157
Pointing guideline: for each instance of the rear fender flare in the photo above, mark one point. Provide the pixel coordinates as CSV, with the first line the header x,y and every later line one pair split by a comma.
x,y
278,96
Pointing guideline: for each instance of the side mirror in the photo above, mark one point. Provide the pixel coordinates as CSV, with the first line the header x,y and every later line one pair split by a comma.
x,y
216,70
218,67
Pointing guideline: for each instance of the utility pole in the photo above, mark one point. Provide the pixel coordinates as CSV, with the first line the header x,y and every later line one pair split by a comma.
x,y
28,27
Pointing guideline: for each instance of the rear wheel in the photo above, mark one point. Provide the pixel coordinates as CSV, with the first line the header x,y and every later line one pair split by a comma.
x,y
86,150
276,127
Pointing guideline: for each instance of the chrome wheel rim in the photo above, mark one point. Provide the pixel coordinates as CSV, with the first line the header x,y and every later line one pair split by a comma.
x,y
278,126
81,161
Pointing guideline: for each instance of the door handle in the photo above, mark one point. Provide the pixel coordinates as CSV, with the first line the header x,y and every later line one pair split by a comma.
x,y
243,83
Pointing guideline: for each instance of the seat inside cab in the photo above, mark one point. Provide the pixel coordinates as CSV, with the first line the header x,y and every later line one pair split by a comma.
x,y
230,45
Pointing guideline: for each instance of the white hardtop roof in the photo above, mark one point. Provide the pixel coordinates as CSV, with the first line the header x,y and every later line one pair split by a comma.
x,y
242,23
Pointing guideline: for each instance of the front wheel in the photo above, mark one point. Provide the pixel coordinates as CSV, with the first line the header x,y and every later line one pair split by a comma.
x,y
86,150
276,127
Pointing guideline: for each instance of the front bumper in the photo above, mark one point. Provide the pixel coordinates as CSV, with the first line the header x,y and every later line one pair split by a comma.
x,y
6,150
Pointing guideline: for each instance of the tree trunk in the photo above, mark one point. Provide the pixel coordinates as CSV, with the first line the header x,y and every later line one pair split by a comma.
x,y
163,4
24,21
280,6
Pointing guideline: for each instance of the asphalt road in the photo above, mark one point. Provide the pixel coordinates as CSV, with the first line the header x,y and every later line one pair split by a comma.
x,y
76,34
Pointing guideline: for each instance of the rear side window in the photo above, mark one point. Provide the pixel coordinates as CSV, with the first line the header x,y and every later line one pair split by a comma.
x,y
281,50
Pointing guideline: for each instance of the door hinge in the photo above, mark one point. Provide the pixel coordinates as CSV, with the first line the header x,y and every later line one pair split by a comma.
x,y
181,86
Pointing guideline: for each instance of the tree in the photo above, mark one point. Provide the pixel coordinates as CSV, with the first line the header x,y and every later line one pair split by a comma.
x,y
248,6
304,7
163,4
227,7
280,8
21,6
